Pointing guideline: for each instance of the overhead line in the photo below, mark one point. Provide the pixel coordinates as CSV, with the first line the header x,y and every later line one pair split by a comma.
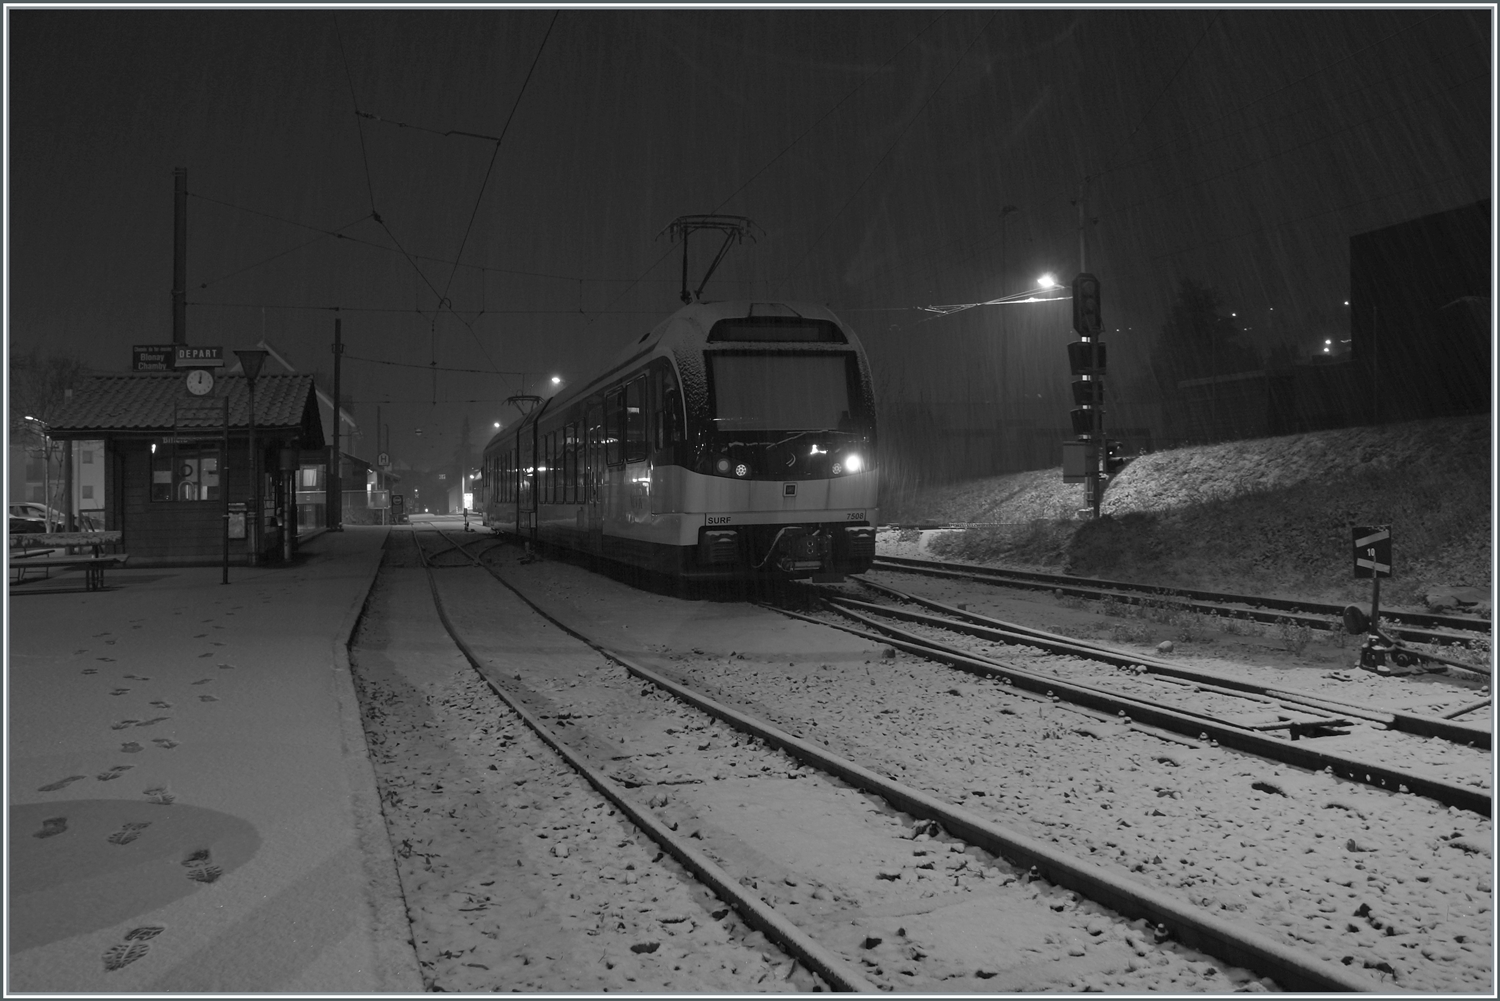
x,y
276,256
354,99
496,153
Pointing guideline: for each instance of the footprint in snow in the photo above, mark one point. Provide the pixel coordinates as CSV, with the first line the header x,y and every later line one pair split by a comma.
x,y
122,954
126,834
114,773
60,783
130,747
201,868
52,826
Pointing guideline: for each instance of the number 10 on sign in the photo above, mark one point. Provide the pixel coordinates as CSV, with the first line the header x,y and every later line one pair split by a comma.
x,y
1372,551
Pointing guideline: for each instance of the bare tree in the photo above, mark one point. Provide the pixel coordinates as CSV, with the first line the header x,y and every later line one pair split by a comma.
x,y
38,387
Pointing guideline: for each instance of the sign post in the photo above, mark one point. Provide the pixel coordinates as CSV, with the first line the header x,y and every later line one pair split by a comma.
x,y
1372,559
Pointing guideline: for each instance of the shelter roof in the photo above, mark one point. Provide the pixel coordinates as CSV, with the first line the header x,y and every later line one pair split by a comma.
x,y
158,402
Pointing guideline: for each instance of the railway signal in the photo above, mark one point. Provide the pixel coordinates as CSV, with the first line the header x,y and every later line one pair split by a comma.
x,y
1086,460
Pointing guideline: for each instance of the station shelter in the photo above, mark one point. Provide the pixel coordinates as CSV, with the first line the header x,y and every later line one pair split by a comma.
x,y
178,466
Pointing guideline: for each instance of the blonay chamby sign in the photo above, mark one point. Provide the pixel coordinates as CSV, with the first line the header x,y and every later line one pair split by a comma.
x,y
168,357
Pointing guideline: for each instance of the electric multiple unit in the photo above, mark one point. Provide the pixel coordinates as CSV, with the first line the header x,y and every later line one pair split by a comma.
x,y
736,439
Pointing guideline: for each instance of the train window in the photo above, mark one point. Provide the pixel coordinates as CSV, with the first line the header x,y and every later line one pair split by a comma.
x,y
570,464
777,328
545,459
666,409
635,420
762,391
614,425
591,465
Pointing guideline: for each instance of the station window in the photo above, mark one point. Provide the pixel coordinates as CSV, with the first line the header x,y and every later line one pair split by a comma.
x,y
184,471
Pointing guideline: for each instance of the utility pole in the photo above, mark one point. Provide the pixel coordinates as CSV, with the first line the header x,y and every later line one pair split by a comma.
x,y
179,255
1082,226
335,503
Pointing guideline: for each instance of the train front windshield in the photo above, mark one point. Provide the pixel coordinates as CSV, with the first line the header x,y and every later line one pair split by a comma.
x,y
771,392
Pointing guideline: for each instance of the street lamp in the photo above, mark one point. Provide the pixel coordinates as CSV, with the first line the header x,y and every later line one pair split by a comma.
x,y
250,362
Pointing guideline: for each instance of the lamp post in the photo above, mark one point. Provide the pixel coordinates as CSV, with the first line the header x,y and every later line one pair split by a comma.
x,y
250,361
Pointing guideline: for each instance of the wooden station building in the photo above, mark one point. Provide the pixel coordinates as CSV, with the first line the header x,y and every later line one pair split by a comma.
x,y
177,464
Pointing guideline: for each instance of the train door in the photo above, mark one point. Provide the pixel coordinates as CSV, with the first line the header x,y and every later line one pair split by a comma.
x,y
593,474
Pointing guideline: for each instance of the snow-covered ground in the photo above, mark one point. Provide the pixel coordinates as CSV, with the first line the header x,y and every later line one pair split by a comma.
x,y
1390,885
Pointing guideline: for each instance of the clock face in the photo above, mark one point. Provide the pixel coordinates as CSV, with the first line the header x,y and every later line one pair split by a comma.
x,y
200,381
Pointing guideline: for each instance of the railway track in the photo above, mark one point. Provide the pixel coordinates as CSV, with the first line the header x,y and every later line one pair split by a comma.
x,y
1272,723
1417,627
1055,886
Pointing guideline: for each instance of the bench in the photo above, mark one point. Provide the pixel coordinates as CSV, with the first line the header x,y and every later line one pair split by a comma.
x,y
80,550
93,566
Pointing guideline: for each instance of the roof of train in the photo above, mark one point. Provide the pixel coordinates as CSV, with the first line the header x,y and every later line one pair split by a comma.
x,y
693,320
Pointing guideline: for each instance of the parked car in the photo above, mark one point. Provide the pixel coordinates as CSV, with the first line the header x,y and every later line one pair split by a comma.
x,y
42,514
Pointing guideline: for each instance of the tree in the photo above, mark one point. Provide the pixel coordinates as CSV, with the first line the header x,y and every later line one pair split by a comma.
x,y
38,387
1198,340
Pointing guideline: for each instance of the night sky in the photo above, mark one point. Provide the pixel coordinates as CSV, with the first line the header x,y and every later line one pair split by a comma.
x,y
876,151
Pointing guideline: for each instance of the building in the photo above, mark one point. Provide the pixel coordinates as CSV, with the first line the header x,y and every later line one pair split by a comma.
x,y
177,467
1419,298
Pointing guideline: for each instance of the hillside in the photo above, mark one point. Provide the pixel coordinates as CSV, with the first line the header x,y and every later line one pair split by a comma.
x,y
1270,515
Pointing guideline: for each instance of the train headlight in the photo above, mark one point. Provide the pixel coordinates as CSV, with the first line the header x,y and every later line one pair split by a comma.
x,y
742,470
722,465
852,463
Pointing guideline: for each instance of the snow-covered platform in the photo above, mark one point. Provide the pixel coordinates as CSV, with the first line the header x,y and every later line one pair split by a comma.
x,y
191,804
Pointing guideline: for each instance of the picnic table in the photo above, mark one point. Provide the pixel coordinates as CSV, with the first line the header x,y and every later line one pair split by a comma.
x,y
31,551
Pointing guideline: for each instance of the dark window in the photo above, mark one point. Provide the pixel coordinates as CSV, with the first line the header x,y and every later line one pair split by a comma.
x,y
635,420
570,464
756,392
777,328
614,425
591,455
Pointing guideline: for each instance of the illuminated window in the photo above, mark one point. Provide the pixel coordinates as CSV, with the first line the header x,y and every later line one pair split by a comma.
x,y
184,471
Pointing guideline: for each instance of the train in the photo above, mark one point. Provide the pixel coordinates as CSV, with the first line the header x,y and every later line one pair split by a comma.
x,y
734,440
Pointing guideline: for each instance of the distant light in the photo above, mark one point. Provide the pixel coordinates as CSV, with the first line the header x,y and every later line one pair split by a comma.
x,y
1047,281
1327,340
1346,302
497,424
556,379
1234,314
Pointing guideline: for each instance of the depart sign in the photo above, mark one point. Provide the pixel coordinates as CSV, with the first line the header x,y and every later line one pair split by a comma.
x,y
191,356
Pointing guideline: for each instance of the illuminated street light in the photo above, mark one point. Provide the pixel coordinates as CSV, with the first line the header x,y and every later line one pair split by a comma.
x,y
1047,281
556,380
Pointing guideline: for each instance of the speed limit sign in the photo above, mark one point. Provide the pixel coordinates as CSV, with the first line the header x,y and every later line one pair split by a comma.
x,y
1372,551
